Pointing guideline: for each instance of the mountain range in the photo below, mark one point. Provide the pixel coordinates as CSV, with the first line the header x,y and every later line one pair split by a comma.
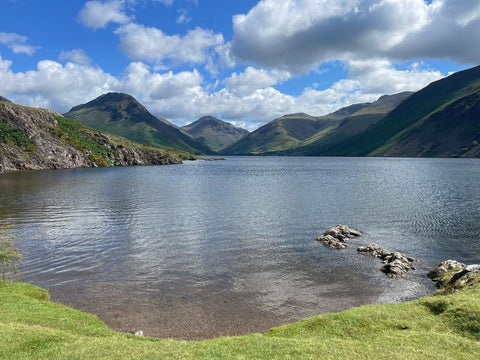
x,y
302,134
440,120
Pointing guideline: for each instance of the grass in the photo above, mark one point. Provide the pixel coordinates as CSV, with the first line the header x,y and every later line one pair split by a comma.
x,y
445,327
14,136
73,133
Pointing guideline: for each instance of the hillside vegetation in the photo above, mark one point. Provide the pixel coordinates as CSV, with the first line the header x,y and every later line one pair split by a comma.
x,y
122,115
439,327
33,138
302,134
441,120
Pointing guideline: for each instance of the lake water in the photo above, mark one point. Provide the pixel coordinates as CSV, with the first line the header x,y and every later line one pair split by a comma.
x,y
228,247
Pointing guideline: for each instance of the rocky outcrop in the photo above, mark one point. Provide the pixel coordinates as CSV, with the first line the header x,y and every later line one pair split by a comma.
x,y
395,265
32,139
450,275
337,236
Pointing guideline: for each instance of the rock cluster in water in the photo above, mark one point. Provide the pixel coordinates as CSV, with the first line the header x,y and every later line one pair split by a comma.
x,y
336,237
395,264
451,275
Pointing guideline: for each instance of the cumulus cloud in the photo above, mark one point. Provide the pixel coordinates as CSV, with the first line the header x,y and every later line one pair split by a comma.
x,y
248,97
77,56
153,45
452,34
301,34
54,85
252,79
17,43
367,80
97,14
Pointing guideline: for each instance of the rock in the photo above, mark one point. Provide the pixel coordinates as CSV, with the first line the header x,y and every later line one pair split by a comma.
x,y
451,275
444,271
138,333
336,237
395,265
42,144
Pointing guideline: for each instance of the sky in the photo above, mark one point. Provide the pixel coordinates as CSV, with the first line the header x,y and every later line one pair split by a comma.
x,y
244,61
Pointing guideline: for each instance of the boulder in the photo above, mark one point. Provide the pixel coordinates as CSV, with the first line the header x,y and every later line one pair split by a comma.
x,y
395,265
336,237
451,275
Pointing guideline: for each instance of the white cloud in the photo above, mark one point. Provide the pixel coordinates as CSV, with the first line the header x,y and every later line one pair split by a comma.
x,y
153,45
301,34
97,14
252,79
54,85
247,97
154,86
77,56
17,43
183,17
451,33
367,80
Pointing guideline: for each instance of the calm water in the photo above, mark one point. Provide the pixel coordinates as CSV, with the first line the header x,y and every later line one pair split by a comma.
x,y
227,247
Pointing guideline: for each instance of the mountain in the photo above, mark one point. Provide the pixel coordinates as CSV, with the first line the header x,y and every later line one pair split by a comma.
x,y
302,134
33,138
284,133
214,133
350,125
441,120
121,114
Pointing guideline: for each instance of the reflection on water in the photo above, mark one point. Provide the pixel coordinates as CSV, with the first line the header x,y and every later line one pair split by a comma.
x,y
227,247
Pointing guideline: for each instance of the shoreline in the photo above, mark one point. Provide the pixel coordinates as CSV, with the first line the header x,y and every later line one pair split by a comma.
x,y
428,328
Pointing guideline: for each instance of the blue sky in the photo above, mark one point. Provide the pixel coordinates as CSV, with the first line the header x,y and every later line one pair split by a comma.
x,y
246,61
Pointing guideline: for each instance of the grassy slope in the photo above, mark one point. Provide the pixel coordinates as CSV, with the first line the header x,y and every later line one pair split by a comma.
x,y
123,115
446,327
281,134
351,125
158,134
410,113
302,134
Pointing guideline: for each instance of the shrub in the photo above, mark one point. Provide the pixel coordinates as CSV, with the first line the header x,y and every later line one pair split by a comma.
x,y
9,259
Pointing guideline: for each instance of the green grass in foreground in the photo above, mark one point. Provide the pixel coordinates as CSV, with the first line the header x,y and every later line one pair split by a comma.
x,y
440,327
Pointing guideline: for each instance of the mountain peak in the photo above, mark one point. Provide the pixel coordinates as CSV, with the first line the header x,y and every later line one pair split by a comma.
x,y
123,115
112,100
214,133
4,99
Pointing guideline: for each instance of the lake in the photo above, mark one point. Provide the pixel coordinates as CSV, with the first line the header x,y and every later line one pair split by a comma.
x,y
216,248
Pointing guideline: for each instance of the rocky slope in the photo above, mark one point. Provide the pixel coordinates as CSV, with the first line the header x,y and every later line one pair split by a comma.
x,y
214,133
122,115
32,138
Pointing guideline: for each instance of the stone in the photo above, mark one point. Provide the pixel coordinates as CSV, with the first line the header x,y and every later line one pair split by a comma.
x,y
395,265
444,271
335,238
451,275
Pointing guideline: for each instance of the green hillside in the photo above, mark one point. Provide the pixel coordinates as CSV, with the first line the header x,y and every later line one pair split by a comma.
x,y
351,125
288,132
214,133
122,115
441,120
